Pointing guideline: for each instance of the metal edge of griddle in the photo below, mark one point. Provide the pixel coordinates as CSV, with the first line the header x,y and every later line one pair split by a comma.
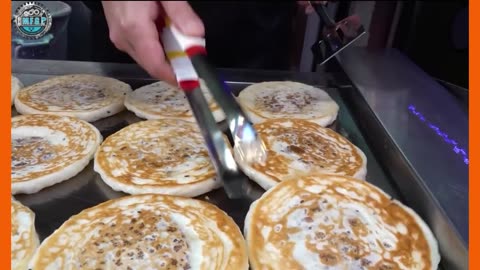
x,y
459,92
414,192
134,72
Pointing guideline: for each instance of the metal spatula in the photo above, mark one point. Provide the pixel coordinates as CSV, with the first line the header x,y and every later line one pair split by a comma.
x,y
335,37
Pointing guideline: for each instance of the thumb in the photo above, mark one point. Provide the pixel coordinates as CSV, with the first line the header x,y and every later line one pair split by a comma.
x,y
183,17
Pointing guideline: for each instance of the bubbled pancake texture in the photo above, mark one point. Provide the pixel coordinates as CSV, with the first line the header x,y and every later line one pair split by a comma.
x,y
24,240
88,97
47,149
284,99
146,232
160,100
299,147
157,156
333,222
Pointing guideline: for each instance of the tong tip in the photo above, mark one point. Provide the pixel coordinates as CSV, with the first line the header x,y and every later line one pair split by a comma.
x,y
249,147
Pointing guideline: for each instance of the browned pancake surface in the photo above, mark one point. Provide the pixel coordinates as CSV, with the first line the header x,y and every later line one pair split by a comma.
x,y
46,144
156,156
146,232
72,93
299,147
339,223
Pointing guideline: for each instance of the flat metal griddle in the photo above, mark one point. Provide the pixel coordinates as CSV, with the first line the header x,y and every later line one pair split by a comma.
x,y
54,205
358,120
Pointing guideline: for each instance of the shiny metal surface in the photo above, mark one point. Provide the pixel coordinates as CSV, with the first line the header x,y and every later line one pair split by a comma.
x,y
247,143
56,204
459,92
413,113
236,184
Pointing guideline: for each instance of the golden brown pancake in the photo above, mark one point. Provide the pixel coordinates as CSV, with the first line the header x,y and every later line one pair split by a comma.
x,y
286,99
300,147
166,156
336,222
49,149
161,100
146,232
88,97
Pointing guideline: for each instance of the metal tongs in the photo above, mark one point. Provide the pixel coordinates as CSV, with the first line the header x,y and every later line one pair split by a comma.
x,y
335,36
187,56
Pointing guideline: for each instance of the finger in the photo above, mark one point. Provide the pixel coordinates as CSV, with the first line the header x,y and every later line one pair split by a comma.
x,y
148,52
184,18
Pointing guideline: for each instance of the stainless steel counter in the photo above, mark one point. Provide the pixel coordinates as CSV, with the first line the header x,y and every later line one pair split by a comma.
x,y
390,109
430,128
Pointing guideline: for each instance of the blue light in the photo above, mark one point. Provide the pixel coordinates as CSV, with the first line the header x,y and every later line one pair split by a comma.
x,y
456,149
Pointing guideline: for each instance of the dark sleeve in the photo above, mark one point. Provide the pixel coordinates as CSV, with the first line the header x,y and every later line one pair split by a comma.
x,y
257,32
94,6
103,49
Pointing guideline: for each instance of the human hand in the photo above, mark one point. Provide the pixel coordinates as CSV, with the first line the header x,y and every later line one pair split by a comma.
x,y
133,28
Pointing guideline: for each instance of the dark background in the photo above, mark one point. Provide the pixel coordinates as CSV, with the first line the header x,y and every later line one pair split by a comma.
x,y
434,34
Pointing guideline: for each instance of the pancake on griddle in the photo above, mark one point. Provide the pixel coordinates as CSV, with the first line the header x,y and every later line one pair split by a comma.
x,y
146,232
16,85
49,149
299,147
88,97
285,99
165,156
336,222
161,100
24,240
